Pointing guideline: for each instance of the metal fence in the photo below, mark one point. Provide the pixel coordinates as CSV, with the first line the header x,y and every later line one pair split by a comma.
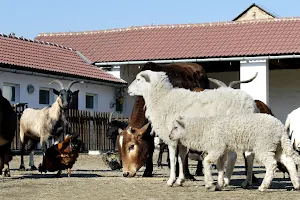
x,y
92,127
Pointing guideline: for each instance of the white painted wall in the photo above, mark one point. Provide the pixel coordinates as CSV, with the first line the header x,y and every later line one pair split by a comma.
x,y
105,94
259,87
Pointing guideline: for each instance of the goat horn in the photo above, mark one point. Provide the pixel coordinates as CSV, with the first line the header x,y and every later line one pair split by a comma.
x,y
59,82
217,82
232,83
110,117
129,129
72,83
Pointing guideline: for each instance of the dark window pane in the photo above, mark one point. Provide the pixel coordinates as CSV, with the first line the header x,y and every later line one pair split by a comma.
x,y
44,97
89,101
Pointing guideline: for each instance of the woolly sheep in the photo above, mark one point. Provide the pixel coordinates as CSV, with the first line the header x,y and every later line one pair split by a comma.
x,y
36,125
293,126
165,103
260,134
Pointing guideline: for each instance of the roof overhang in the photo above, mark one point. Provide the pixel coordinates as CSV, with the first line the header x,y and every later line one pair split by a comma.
x,y
244,58
62,77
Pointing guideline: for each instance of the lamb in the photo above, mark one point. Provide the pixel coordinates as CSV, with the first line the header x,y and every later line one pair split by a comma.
x,y
292,125
165,103
36,125
259,134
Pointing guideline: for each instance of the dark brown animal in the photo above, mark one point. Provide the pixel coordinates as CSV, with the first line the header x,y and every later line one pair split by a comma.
x,y
8,124
137,149
61,156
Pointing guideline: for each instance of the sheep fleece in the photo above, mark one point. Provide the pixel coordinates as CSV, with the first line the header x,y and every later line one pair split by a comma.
x,y
255,132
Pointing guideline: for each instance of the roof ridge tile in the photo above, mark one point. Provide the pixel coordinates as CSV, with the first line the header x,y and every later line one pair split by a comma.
x,y
36,41
131,28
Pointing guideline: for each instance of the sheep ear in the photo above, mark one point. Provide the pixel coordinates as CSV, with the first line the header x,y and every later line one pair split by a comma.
x,y
146,77
56,92
120,130
180,123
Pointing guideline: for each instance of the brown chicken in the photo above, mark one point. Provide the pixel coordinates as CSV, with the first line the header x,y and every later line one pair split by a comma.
x,y
61,156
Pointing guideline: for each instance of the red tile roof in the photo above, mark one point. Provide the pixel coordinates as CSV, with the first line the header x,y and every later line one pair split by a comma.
x,y
36,55
227,39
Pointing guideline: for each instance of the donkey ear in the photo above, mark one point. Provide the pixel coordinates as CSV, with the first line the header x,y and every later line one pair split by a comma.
x,y
146,77
143,130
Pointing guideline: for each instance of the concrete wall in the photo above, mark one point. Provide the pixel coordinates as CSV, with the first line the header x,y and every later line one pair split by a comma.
x,y
104,95
284,92
128,73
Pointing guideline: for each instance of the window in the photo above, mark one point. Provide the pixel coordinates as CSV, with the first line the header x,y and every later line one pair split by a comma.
x,y
89,101
9,92
44,96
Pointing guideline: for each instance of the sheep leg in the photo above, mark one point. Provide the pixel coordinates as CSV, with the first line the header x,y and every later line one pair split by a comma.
x,y
181,159
172,153
208,160
220,168
249,158
288,162
231,158
268,159
254,179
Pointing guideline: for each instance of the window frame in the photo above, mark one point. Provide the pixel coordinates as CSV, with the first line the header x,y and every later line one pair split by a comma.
x,y
93,97
15,91
49,93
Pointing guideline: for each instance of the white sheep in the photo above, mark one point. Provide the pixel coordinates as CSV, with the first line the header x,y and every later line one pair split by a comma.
x,y
165,103
293,126
36,125
260,134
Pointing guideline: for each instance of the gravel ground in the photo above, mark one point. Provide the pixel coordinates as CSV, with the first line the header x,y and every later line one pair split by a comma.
x,y
92,179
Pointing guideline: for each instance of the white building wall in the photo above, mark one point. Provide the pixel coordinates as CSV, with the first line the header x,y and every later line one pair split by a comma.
x,y
259,87
104,94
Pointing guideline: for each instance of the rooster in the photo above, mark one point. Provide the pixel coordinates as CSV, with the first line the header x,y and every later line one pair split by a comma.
x,y
61,156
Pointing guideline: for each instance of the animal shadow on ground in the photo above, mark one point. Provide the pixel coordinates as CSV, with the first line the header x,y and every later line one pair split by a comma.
x,y
52,175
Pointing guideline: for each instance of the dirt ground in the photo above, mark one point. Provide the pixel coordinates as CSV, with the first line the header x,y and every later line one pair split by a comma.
x,y
92,179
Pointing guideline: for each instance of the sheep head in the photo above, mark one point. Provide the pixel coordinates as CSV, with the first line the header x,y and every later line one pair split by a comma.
x,y
147,79
65,95
178,129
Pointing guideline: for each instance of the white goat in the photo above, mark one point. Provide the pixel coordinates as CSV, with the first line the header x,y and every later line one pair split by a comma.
x,y
260,134
293,126
165,103
36,125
